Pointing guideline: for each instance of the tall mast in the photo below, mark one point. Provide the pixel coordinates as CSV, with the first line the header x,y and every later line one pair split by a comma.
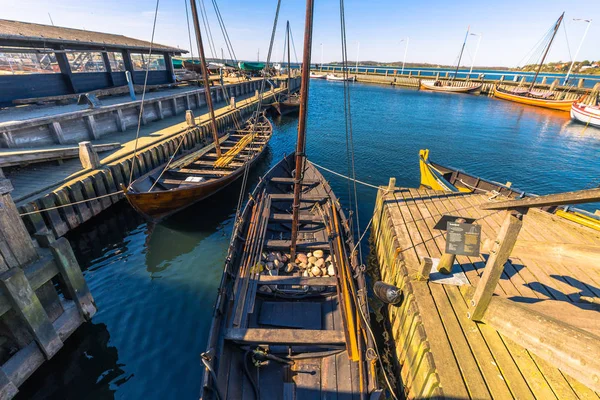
x,y
289,80
461,52
209,103
301,144
556,26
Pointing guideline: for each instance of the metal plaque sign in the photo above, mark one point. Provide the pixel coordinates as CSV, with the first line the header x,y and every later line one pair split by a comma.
x,y
442,223
463,239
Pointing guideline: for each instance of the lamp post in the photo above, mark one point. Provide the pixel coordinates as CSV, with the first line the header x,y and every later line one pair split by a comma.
x,y
321,56
476,50
357,52
589,22
405,51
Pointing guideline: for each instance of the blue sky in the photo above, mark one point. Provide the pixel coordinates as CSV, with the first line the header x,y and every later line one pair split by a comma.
x,y
436,28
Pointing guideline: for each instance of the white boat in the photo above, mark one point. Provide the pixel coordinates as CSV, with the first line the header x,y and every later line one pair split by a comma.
x,y
317,76
589,115
448,86
332,77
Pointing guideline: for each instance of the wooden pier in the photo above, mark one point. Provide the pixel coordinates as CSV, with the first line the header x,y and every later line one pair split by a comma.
x,y
35,317
537,338
395,78
114,170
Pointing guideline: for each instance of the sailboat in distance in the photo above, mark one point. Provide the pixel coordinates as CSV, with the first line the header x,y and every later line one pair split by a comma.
x,y
451,86
291,317
546,98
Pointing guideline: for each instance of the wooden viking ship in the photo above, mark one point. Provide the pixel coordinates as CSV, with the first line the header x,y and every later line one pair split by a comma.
x,y
438,177
546,99
447,86
450,86
291,316
334,78
200,173
288,103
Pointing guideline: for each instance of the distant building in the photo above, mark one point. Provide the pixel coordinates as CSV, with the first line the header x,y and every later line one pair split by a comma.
x,y
41,60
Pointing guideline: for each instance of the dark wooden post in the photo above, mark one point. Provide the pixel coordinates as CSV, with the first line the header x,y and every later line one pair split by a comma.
x,y
499,253
108,68
16,247
65,70
169,65
128,64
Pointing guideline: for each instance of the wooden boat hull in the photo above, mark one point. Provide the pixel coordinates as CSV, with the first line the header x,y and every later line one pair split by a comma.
x,y
560,105
318,351
588,115
334,78
158,204
455,180
287,106
430,85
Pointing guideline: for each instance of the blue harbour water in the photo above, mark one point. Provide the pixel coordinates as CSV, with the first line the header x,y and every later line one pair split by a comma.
x,y
155,285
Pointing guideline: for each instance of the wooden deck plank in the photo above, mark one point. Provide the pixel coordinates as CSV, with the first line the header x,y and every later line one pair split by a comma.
x,y
445,360
513,273
344,379
465,351
307,377
329,387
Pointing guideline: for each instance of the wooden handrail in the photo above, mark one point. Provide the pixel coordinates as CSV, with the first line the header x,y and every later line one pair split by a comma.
x,y
557,199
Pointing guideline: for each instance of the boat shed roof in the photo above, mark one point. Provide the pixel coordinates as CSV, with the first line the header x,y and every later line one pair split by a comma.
x,y
18,33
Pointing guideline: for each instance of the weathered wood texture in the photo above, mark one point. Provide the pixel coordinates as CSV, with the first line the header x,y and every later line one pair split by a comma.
x,y
444,353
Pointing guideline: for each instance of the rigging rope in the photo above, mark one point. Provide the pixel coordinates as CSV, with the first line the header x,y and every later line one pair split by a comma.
x,y
211,42
228,43
348,120
139,124
256,117
71,204
187,17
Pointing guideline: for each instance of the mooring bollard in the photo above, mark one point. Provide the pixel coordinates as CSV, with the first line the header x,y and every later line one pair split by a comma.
x,y
391,184
232,103
424,269
88,156
189,118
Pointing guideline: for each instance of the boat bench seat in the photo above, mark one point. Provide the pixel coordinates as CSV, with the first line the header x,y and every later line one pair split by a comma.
x,y
275,244
285,336
298,280
280,217
290,181
290,196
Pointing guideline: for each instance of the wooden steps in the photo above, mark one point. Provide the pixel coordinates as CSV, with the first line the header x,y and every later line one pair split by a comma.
x,y
285,336
298,280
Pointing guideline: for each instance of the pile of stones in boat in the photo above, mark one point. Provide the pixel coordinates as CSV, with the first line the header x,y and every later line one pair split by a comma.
x,y
314,264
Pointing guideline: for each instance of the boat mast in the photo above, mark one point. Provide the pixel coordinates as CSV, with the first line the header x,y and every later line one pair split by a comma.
x,y
289,80
556,26
209,103
301,144
461,52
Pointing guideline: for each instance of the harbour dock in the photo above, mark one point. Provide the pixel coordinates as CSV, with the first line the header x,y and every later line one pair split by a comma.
x,y
535,337
409,79
70,182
